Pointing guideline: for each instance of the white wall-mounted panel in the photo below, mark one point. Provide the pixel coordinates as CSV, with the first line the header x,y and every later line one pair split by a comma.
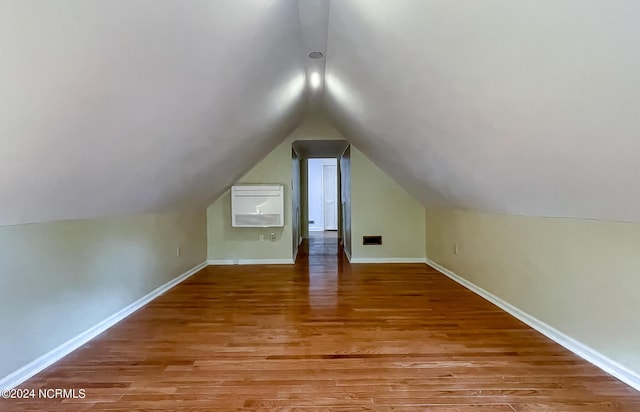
x,y
257,205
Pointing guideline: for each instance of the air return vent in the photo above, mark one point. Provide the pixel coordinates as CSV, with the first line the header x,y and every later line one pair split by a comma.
x,y
264,220
371,240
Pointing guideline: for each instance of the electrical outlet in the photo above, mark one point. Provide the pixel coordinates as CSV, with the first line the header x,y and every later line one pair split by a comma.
x,y
261,237
272,236
178,250
455,249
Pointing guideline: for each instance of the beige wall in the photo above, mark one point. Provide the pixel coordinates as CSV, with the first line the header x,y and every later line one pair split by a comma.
x,y
226,243
59,279
581,277
234,243
379,206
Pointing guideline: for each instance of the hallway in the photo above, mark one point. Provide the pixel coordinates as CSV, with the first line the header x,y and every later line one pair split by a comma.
x,y
325,335
321,243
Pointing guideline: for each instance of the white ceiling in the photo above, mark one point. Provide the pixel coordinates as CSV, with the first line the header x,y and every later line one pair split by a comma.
x,y
314,22
118,107
525,107
528,107
318,149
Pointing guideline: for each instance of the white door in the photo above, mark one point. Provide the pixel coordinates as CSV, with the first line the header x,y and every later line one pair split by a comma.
x,y
330,194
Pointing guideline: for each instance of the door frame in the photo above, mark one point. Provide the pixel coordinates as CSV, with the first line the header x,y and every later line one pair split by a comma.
x,y
335,198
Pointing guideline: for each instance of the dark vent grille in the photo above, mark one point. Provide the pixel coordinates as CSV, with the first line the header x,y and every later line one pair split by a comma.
x,y
371,240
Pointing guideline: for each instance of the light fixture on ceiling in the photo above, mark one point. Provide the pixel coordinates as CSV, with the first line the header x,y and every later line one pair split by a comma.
x,y
316,55
314,80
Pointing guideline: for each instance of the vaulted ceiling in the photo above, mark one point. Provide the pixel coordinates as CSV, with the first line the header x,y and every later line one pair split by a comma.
x,y
524,107
121,107
528,107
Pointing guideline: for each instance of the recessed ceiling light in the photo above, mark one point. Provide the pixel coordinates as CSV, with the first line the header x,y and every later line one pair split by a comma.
x,y
316,55
314,80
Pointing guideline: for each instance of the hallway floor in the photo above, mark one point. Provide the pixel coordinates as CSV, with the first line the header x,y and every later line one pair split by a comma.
x,y
325,335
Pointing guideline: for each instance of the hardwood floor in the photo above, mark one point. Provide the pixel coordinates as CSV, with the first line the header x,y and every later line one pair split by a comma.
x,y
325,335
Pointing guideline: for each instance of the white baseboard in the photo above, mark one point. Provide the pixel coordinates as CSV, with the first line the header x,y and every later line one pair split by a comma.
x,y
585,352
19,376
387,260
216,262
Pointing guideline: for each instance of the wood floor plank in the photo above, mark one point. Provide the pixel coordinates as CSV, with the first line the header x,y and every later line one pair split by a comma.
x,y
328,336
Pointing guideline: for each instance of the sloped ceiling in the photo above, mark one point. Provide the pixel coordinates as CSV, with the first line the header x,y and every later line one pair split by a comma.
x,y
521,107
121,107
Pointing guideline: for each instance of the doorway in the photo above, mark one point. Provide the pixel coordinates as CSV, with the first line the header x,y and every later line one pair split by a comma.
x,y
320,202
322,195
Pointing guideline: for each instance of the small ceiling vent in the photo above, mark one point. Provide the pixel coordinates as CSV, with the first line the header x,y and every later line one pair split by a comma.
x,y
316,55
